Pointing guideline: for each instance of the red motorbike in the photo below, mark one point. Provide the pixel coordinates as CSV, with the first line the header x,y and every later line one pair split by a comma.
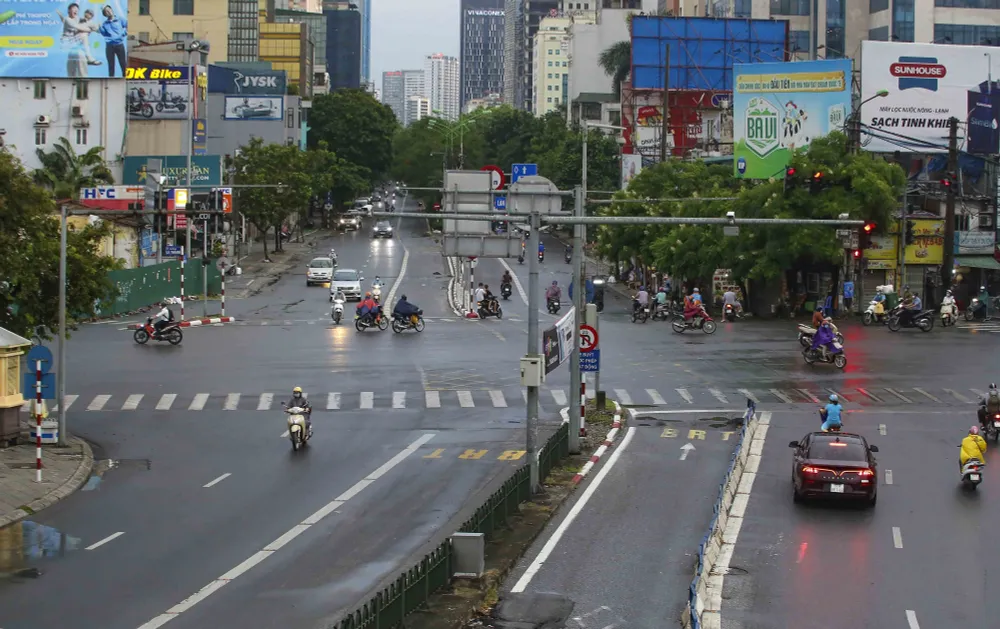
x,y
170,333
701,321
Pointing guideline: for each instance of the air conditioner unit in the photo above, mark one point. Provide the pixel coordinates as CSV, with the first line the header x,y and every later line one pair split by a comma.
x,y
77,111
42,120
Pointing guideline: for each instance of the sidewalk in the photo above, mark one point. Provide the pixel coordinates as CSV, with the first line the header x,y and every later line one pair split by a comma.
x,y
259,274
64,471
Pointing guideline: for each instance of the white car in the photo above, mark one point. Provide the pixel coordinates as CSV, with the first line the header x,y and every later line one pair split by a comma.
x,y
348,281
350,221
319,271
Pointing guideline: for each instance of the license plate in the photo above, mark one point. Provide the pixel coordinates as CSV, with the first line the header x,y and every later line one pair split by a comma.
x,y
996,424
645,309
973,476
836,488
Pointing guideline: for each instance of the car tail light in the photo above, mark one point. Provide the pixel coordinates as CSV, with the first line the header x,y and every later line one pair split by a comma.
x,y
837,444
866,473
810,470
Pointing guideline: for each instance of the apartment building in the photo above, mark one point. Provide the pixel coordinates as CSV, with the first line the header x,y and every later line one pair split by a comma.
x,y
550,74
482,46
441,74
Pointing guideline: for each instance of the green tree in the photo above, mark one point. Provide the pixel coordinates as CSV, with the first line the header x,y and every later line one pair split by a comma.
x,y
329,173
356,127
29,257
272,165
64,172
616,61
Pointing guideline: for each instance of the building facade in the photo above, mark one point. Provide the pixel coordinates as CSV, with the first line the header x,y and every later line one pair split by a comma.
x,y
487,102
287,47
549,76
481,59
310,6
521,23
392,92
441,74
343,47
316,23
153,22
417,108
244,37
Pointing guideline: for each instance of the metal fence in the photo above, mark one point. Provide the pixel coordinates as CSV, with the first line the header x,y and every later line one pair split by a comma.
x,y
412,589
144,286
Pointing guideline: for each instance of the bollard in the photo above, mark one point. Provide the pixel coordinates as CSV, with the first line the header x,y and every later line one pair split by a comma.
x,y
182,285
223,295
583,406
38,421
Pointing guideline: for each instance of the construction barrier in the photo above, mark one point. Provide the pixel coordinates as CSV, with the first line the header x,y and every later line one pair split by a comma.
x,y
148,285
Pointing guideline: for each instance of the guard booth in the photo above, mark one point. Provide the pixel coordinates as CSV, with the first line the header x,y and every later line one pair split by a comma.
x,y
12,348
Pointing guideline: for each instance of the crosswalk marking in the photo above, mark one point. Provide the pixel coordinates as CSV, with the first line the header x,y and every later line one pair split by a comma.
x,y
958,396
399,399
198,403
809,396
166,401
684,394
465,399
98,402
432,399
264,403
979,393
367,399
838,394
871,396
746,393
498,400
524,395
332,401
232,402
899,395
925,393
781,396
623,396
656,397
559,397
69,399
132,402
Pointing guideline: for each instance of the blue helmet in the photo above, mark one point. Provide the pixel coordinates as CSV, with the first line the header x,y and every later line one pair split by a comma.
x,y
833,397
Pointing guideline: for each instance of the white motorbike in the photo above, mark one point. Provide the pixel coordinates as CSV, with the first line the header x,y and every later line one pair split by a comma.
x,y
377,293
806,334
337,313
875,313
949,312
972,473
297,431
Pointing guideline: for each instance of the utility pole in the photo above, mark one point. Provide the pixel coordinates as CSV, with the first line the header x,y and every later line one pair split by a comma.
x,y
63,440
533,350
948,260
575,421
666,106
186,258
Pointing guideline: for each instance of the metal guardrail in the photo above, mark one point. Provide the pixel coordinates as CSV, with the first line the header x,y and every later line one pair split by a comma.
x,y
412,589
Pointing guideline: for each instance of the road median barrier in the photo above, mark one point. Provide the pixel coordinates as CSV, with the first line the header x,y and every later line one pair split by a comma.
x,y
194,323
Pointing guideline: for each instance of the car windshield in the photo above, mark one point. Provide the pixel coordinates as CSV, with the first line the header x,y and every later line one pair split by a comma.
x,y
320,263
834,450
345,276
383,225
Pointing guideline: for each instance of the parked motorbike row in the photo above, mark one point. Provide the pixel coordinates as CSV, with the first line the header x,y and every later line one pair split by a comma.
x,y
897,318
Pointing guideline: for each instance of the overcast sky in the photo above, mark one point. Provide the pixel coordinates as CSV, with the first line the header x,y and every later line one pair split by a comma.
x,y
406,31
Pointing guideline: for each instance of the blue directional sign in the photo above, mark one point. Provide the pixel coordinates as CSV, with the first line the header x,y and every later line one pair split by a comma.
x,y
590,361
522,170
29,378
173,251
499,203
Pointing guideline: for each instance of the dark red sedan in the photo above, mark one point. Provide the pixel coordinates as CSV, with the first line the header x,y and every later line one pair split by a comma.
x,y
834,465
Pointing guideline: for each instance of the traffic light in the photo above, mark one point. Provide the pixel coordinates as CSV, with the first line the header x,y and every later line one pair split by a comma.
x,y
856,254
817,181
949,182
864,237
789,178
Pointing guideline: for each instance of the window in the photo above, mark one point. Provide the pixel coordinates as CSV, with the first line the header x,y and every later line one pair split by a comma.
x,y
82,90
550,63
742,9
902,20
290,118
81,136
967,34
143,37
143,7
40,138
835,21
183,7
183,36
874,6
790,7
40,89
846,450
879,34
798,41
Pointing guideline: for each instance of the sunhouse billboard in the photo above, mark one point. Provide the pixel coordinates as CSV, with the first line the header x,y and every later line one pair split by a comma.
x,y
46,39
779,108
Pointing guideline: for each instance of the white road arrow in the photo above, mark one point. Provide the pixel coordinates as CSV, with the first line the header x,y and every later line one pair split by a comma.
x,y
686,450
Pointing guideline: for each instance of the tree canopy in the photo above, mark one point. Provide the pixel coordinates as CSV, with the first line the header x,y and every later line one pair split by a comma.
x,y
356,127
64,172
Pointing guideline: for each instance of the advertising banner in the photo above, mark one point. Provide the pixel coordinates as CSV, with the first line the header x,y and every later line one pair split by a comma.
x,y
45,39
200,137
254,107
780,107
158,93
223,80
984,126
112,197
927,85
974,243
928,242
631,166
557,341
206,170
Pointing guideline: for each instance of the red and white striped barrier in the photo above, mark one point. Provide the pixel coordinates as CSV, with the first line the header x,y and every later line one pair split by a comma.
x,y
195,322
608,442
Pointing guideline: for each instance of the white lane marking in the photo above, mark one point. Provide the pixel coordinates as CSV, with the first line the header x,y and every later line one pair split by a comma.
x,y
399,278
719,395
958,396
498,399
399,399
199,401
553,541
517,282
432,399
978,393
367,399
232,402
621,394
559,396
166,401
465,399
809,396
881,429
899,395
746,393
284,539
264,403
332,401
217,480
897,537
888,477
69,399
98,402
781,396
911,619
656,397
838,394
868,395
684,394
104,541
926,394
132,402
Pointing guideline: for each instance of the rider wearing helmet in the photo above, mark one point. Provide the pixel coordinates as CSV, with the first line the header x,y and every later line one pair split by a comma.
x,y
299,399
830,414
553,292
989,405
973,447
404,309
367,306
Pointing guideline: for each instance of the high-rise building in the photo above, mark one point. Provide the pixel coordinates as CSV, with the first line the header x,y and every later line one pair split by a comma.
x,y
159,22
310,6
365,7
288,47
481,60
316,22
522,18
343,46
441,76
549,77
417,108
513,30
392,93
244,36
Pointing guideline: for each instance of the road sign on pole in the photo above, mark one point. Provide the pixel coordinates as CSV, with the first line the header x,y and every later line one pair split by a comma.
x,y
522,170
497,174
588,338
590,361
499,203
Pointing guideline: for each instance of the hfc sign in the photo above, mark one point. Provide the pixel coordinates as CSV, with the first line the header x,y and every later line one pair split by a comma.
x,y
111,193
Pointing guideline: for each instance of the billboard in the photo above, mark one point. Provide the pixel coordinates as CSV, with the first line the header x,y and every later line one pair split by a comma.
x,y
702,49
927,85
223,80
781,107
928,242
207,170
984,130
112,197
631,166
156,93
46,39
254,107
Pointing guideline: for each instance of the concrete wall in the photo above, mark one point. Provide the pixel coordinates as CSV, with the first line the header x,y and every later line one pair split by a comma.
x,y
586,43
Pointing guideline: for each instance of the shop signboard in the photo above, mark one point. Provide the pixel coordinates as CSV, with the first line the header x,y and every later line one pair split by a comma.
x,y
928,242
158,93
206,170
974,242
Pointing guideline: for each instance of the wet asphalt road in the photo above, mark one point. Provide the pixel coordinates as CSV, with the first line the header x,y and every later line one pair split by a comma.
x,y
449,382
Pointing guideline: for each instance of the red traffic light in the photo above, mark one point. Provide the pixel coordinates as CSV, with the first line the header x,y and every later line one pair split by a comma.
x,y
817,176
869,228
856,253
946,183
789,172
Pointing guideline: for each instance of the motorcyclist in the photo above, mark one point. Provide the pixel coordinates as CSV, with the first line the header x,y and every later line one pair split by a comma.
x,y
729,299
973,447
340,296
692,305
984,299
948,302
569,251
541,247
368,306
404,309
507,279
661,299
818,318
553,292
989,404
299,399
824,337
162,318
910,309
641,299
830,414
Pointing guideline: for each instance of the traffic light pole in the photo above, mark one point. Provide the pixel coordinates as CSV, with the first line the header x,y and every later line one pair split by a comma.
x,y
948,260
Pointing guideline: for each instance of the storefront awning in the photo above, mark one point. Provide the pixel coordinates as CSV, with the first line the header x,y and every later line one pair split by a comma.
x,y
978,262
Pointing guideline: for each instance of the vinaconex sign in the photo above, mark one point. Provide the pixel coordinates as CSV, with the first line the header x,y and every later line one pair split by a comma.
x,y
222,80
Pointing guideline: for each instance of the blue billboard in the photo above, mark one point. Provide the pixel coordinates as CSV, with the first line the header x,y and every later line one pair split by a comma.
x,y
984,123
227,80
46,39
702,50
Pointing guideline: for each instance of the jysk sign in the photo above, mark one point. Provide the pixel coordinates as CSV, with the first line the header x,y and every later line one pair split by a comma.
x,y
206,170
223,80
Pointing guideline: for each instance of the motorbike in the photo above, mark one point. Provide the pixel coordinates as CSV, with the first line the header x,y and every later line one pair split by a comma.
x,y
701,321
490,307
337,313
172,102
662,312
568,257
297,432
136,106
541,256
874,313
977,309
949,313
639,313
333,256
377,293
552,305
972,473
170,333
822,420
807,332
412,322
824,355
369,320
923,320
729,312
993,427
505,290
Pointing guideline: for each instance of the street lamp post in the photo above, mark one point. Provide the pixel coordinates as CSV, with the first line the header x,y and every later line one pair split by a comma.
x,y
855,121
192,47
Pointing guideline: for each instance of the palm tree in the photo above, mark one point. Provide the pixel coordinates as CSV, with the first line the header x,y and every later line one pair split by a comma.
x,y
616,61
64,172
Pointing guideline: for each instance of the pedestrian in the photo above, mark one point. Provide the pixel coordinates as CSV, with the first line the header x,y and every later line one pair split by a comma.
x,y
848,295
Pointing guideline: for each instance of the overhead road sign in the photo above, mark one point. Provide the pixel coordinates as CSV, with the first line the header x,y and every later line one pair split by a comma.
x,y
498,178
522,170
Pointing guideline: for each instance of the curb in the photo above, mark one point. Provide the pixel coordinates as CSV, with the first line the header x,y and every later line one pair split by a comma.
x,y
74,482
193,323
599,452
